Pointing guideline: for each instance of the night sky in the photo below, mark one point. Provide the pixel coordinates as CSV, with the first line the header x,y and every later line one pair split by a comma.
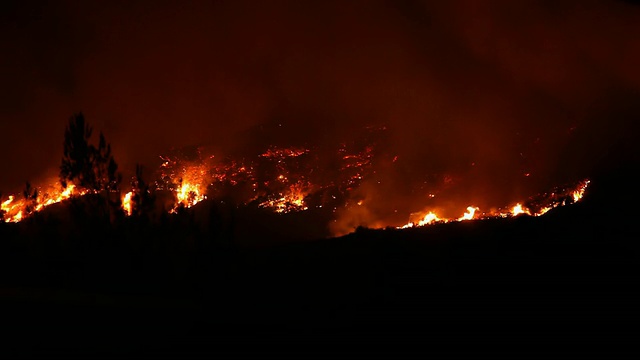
x,y
541,87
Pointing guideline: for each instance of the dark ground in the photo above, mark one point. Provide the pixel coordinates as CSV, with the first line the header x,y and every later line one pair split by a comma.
x,y
569,278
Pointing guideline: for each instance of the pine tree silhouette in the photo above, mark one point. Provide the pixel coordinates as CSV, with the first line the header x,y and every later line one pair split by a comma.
x,y
85,165
89,167
77,164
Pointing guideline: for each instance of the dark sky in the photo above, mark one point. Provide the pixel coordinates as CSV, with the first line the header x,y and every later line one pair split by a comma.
x,y
542,86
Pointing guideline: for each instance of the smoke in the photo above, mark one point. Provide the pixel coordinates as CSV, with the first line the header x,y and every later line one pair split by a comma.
x,y
484,102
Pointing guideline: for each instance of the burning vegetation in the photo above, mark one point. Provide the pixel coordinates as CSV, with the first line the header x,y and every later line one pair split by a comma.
x,y
537,206
14,208
279,178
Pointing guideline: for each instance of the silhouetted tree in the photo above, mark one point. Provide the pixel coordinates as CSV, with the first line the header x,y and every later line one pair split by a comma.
x,y
85,165
2,212
89,167
77,164
31,197
143,201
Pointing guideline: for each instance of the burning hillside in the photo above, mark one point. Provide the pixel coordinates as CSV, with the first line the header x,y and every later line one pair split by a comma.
x,y
536,206
15,208
295,178
379,113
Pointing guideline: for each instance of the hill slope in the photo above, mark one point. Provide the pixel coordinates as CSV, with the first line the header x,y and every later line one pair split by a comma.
x,y
571,274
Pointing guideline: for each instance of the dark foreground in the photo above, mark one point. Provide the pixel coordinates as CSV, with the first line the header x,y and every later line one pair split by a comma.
x,y
569,278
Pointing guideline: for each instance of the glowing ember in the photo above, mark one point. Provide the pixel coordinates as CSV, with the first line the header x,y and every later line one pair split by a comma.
x,y
291,201
275,152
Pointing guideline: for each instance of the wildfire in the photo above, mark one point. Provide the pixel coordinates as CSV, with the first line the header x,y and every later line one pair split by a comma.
x,y
290,179
275,152
518,209
579,193
126,203
428,219
471,210
290,201
65,194
544,210
16,210
187,180
431,218
12,211
189,194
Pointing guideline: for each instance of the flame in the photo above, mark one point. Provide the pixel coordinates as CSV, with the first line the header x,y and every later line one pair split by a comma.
x,y
275,152
290,201
189,194
126,203
288,179
428,219
5,205
518,209
65,194
579,193
191,178
432,218
543,210
17,210
12,211
468,215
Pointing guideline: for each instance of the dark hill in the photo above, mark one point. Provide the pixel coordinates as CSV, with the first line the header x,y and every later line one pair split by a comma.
x,y
569,277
